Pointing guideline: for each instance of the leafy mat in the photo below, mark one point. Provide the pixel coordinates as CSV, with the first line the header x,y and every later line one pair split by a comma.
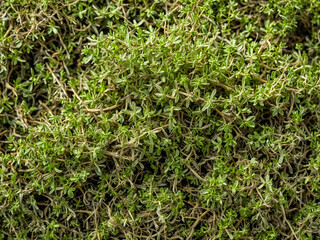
x,y
138,119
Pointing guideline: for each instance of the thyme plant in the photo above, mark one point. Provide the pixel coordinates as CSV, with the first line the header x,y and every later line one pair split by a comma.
x,y
178,119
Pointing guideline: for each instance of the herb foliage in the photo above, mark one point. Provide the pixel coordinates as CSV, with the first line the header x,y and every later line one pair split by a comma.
x,y
138,119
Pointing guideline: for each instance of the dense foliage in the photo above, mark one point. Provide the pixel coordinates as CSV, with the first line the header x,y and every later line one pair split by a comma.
x,y
140,119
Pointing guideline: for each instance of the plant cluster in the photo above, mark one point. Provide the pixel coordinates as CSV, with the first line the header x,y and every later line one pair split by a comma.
x,y
178,119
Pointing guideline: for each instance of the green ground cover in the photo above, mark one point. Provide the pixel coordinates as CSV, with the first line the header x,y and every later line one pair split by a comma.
x,y
138,119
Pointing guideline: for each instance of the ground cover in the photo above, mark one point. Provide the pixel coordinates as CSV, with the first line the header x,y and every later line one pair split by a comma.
x,y
138,119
